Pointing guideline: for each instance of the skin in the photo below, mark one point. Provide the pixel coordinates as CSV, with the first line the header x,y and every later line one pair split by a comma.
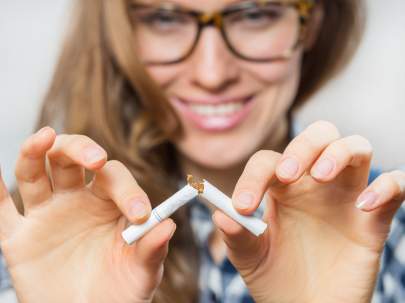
x,y
318,241
72,230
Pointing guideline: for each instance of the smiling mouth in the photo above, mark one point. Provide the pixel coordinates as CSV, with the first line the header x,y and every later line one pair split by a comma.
x,y
220,109
215,114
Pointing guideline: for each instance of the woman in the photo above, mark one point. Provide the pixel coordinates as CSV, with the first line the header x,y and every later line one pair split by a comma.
x,y
207,88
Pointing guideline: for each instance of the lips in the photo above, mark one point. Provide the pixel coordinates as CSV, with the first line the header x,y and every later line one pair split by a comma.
x,y
214,114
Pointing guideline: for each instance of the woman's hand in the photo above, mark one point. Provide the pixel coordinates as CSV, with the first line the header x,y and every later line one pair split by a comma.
x,y
68,247
319,247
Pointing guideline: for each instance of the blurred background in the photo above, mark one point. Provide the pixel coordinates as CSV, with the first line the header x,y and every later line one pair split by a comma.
x,y
367,99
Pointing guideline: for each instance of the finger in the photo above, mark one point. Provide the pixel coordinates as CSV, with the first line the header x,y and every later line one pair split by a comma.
x,y
379,202
70,156
146,256
244,250
303,150
152,249
258,175
9,216
351,153
114,181
387,191
32,178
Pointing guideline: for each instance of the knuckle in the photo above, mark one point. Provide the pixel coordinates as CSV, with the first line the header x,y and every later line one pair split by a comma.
x,y
303,143
339,150
399,177
262,158
398,173
356,148
70,146
363,142
66,140
389,181
325,127
77,142
62,138
385,177
259,166
27,148
317,135
264,155
27,176
60,142
30,148
118,168
129,194
115,165
78,138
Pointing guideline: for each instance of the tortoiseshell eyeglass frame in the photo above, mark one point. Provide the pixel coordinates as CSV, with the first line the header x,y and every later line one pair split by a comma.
x,y
303,7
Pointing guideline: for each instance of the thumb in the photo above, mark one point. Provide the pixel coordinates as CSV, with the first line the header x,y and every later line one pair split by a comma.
x,y
245,250
151,250
146,257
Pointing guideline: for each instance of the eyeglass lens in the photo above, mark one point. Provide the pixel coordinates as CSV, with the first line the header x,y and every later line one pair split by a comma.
x,y
258,33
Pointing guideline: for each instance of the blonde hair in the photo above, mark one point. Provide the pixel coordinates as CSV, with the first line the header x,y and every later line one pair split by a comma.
x,y
101,90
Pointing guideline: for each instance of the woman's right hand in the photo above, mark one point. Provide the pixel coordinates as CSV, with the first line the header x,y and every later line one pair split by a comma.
x,y
67,247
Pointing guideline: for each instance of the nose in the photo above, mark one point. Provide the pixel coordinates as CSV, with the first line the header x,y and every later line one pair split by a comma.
x,y
214,68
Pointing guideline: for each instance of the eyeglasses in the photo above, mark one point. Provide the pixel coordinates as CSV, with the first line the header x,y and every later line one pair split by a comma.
x,y
257,31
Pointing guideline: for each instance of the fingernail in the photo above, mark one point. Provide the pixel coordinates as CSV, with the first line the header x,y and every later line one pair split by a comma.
x,y
244,200
323,168
288,168
93,155
138,210
367,200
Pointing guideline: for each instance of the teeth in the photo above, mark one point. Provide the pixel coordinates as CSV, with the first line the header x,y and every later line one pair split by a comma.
x,y
216,110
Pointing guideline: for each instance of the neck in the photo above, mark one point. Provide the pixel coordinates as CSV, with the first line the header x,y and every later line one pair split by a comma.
x,y
225,179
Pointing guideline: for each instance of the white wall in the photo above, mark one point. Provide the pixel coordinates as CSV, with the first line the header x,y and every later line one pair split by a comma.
x,y
30,36
367,99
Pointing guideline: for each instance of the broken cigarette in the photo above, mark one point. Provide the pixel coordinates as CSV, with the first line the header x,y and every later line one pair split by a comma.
x,y
182,197
224,203
160,213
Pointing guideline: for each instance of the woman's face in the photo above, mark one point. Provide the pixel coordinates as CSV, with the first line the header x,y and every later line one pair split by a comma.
x,y
229,107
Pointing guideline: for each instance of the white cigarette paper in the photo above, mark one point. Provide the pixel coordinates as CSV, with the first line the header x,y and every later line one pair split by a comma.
x,y
160,212
224,203
182,197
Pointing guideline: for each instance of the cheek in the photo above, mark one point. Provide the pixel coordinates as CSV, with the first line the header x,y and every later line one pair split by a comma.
x,y
165,76
275,73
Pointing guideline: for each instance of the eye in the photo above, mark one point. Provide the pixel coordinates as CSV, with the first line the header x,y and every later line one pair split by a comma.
x,y
164,20
258,17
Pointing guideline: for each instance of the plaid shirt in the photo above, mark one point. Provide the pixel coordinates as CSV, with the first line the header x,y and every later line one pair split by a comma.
x,y
222,283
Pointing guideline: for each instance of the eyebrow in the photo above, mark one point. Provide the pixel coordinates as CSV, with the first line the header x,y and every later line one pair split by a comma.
x,y
176,4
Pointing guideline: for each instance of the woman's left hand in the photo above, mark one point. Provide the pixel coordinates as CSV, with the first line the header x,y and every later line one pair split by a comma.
x,y
319,247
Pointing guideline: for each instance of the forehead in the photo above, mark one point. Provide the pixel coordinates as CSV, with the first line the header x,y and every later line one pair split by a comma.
x,y
200,5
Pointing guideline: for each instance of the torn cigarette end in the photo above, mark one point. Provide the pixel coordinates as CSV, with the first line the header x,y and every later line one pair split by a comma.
x,y
199,186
